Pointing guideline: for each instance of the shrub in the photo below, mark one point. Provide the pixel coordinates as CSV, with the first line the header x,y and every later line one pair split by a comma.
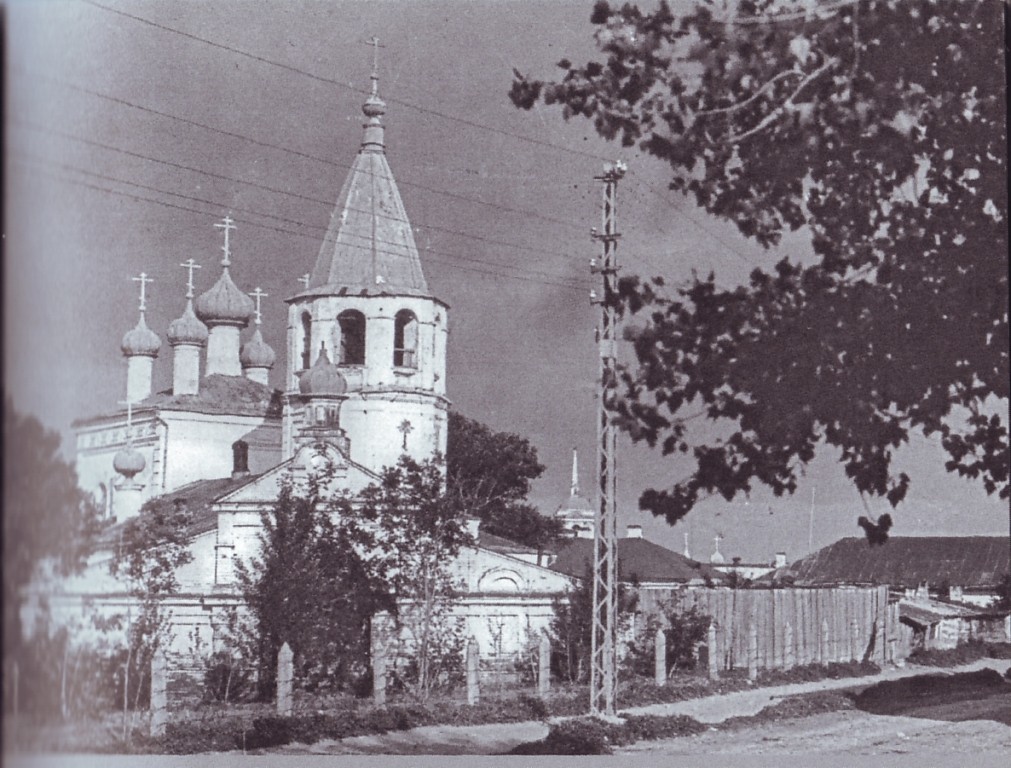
x,y
653,727
582,736
225,679
998,650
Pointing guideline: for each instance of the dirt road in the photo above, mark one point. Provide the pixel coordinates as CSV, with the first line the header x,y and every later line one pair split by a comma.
x,y
851,732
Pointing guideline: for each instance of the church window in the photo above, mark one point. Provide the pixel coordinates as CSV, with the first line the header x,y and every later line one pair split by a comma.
x,y
240,457
306,340
405,340
352,325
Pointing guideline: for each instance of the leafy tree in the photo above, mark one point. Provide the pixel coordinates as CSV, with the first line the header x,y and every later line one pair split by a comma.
x,y
419,533
46,517
683,631
150,549
312,587
329,563
877,126
488,476
571,628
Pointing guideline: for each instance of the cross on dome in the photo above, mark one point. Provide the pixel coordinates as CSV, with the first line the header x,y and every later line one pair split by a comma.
x,y
227,225
129,420
257,295
143,280
405,429
304,280
189,265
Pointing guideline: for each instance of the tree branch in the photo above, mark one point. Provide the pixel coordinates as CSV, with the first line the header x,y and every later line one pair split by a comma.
x,y
769,118
751,98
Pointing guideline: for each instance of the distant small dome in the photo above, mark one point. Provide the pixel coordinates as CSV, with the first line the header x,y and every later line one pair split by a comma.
x,y
141,340
716,558
187,329
256,353
128,462
324,378
224,304
374,106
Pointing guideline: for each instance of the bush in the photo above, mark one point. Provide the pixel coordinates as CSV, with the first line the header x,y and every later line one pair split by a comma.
x,y
653,727
225,679
582,736
948,657
998,650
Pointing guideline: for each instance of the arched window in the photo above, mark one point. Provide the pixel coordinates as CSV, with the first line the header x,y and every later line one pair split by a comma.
x,y
306,340
240,457
352,325
405,340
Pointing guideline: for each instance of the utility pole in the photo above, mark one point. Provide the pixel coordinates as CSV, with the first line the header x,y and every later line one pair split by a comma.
x,y
604,645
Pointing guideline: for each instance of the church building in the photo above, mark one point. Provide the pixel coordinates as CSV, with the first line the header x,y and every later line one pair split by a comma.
x,y
364,383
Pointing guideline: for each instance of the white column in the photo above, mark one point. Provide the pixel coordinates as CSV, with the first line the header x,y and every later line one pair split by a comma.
x,y
139,369
128,499
223,351
260,375
186,369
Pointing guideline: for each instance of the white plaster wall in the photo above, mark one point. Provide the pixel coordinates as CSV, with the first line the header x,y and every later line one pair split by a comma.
x,y
200,445
372,423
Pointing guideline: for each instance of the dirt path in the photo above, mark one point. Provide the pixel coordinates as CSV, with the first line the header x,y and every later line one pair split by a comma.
x,y
716,709
497,739
851,732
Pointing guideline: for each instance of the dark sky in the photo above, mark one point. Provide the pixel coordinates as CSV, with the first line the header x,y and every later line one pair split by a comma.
x,y
502,202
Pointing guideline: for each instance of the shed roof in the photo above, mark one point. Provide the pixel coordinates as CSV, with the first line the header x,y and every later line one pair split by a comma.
x,y
638,560
907,561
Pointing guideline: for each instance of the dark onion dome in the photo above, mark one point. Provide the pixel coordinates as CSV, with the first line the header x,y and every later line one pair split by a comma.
x,y
224,304
324,378
256,353
128,462
141,340
187,329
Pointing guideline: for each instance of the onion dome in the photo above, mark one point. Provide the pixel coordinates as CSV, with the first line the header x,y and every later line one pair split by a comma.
x,y
187,329
141,340
256,353
128,462
224,304
324,378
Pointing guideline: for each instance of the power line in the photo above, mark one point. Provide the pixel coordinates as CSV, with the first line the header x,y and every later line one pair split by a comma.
x,y
330,81
327,203
429,254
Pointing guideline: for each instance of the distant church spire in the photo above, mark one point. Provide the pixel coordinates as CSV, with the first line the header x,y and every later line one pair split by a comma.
x,y
575,474
374,107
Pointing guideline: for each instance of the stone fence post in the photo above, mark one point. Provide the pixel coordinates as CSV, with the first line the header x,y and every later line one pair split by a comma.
x,y
714,664
544,665
285,676
752,652
789,657
473,673
159,693
660,657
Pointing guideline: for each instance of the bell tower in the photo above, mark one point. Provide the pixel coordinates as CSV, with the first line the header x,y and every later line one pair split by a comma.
x,y
367,301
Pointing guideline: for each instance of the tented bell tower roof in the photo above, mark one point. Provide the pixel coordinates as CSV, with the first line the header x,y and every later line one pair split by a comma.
x,y
369,246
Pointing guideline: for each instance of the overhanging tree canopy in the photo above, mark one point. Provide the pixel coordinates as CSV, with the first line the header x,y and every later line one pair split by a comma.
x,y
879,126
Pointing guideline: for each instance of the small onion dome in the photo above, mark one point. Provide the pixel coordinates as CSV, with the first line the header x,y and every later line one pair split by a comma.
x,y
128,462
141,340
256,353
187,329
716,558
324,378
374,106
224,304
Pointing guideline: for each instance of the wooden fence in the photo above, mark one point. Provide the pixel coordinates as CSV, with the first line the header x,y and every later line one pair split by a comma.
x,y
792,626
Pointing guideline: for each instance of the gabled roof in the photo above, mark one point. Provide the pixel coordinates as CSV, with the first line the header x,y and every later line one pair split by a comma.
x,y
199,498
906,561
638,560
502,545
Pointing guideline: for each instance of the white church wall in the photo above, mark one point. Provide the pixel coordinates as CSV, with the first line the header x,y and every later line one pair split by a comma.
x,y
200,445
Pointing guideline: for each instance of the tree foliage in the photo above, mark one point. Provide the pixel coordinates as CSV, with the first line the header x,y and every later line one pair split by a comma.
x,y
311,587
46,517
488,475
329,563
878,126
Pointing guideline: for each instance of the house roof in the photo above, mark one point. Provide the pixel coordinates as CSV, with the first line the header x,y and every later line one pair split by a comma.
x,y
199,498
906,561
502,545
932,611
219,394
638,560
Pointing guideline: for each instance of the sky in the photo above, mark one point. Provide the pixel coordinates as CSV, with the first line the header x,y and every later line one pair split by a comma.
x,y
126,139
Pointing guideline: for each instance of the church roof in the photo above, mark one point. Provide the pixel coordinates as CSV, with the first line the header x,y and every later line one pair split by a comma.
x,y
638,560
906,561
219,394
369,246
